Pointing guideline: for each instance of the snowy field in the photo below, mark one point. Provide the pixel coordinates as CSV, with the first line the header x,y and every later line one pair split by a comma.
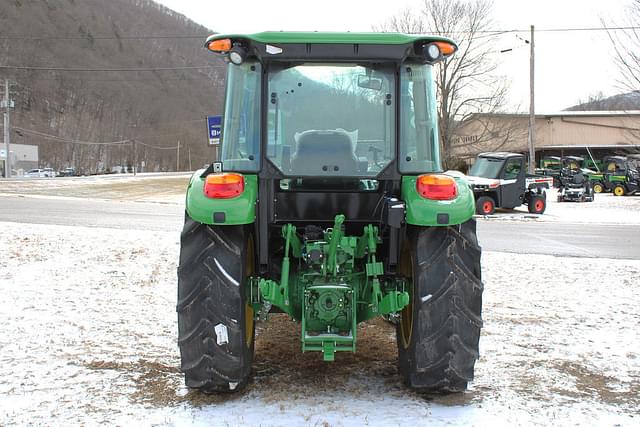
x,y
89,337
89,333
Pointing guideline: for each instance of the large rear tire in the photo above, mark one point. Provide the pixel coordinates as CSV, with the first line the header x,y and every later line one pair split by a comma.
x,y
215,321
439,331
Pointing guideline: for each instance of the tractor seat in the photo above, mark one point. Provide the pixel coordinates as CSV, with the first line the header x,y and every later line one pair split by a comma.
x,y
324,153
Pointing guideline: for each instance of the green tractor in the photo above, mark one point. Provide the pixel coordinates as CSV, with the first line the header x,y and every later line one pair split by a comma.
x,y
329,204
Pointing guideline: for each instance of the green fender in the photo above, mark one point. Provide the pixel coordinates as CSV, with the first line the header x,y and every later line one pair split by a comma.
x,y
237,210
421,211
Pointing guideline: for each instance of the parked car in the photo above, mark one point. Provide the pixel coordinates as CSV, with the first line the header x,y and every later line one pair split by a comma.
x,y
41,173
68,172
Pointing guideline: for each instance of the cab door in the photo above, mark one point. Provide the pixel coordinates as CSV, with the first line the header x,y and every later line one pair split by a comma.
x,y
512,183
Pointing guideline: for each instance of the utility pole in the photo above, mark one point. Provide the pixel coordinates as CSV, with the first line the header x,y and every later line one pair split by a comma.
x,y
135,157
7,131
178,158
532,108
190,168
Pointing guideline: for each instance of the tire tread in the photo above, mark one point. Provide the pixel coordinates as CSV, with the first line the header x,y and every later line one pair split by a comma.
x,y
207,297
446,328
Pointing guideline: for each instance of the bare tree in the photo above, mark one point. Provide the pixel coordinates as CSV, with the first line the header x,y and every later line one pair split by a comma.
x,y
626,44
467,82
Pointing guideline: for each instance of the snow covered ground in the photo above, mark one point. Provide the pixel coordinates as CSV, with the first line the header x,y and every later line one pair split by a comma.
x,y
89,331
89,337
605,209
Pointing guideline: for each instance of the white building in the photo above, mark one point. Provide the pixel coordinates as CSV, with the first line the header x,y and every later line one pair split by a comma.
x,y
23,157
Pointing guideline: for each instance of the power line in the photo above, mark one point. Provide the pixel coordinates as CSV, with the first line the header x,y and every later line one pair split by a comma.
x,y
543,30
557,30
203,36
60,139
92,37
30,68
154,79
65,140
155,146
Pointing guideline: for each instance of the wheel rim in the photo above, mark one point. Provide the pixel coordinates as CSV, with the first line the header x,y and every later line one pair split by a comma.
x,y
539,205
248,309
406,315
486,207
597,188
618,191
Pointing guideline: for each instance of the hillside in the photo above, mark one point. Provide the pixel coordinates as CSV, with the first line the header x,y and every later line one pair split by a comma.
x,y
157,107
620,102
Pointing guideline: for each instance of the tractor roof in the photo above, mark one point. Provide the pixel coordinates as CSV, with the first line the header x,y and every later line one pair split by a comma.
x,y
286,37
288,46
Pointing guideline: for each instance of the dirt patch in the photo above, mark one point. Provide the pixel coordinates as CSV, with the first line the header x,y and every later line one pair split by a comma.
x,y
114,188
575,382
279,363
606,388
159,385
133,190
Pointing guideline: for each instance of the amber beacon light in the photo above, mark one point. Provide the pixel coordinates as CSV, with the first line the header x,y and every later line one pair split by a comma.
x,y
219,46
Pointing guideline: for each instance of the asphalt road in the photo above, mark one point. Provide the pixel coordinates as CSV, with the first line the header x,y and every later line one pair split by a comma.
x,y
551,238
561,238
92,213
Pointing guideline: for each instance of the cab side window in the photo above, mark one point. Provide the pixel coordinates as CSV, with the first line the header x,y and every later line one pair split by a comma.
x,y
512,169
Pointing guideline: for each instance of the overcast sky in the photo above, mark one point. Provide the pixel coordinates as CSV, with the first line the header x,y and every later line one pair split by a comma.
x,y
569,65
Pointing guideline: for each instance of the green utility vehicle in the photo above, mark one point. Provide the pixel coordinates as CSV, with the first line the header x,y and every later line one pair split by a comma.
x,y
329,204
624,176
613,170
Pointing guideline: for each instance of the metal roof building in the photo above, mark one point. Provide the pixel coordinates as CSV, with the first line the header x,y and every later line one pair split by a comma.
x,y
564,132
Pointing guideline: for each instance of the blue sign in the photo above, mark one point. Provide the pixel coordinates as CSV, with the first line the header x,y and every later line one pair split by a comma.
x,y
214,123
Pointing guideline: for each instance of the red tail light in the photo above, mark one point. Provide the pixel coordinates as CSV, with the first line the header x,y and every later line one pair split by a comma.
x,y
437,187
223,185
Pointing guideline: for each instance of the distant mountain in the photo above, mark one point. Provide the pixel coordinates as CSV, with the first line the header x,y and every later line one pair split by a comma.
x,y
621,102
163,104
